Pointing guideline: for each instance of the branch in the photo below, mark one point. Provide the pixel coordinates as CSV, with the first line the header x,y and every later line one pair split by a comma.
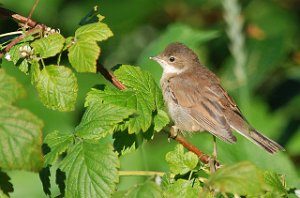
x,y
100,68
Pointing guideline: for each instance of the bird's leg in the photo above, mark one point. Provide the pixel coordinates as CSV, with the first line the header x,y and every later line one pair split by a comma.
x,y
173,133
213,160
215,148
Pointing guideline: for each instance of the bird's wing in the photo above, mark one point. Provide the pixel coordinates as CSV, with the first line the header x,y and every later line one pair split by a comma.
x,y
202,103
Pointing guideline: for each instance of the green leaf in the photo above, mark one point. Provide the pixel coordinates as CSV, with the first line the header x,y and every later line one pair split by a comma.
x,y
10,89
83,55
274,181
101,119
94,31
21,139
91,169
242,179
142,94
161,119
148,189
180,162
58,143
182,189
57,87
48,46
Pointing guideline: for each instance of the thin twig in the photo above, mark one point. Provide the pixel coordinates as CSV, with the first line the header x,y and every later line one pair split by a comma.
x,y
110,77
31,11
141,173
100,68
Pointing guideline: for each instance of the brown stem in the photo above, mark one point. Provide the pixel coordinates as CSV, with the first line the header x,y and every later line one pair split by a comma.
x,y
110,77
107,74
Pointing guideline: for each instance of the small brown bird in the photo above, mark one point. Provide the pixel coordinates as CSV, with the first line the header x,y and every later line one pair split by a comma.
x,y
197,102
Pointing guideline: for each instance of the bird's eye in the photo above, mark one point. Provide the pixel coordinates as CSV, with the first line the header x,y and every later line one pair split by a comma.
x,y
172,59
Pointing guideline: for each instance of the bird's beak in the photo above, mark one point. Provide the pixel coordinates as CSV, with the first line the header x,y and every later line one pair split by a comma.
x,y
155,58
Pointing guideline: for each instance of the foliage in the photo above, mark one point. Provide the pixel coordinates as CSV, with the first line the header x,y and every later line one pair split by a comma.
x,y
87,158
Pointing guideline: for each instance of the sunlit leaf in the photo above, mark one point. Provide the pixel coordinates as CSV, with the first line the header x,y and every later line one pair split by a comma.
x,y
161,119
57,87
58,143
101,119
91,169
180,162
48,46
182,189
142,95
83,55
94,31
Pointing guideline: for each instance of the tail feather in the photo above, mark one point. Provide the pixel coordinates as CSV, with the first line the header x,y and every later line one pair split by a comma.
x,y
266,143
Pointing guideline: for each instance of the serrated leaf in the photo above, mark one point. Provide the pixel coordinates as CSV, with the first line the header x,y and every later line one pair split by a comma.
x,y
5,184
242,179
83,55
58,143
94,31
182,189
57,87
10,89
274,181
21,139
180,162
161,119
91,169
148,189
101,119
142,95
48,46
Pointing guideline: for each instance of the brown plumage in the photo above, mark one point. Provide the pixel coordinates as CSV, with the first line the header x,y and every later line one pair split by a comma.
x,y
196,100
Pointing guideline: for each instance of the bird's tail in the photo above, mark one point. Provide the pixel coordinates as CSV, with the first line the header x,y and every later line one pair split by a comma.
x,y
262,141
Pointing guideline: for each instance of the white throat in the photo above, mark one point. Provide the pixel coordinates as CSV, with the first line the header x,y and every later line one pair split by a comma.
x,y
169,69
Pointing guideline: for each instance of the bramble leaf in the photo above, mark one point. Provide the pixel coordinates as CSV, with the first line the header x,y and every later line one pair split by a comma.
x,y
83,55
180,162
161,119
48,46
94,31
56,85
147,189
58,143
274,181
182,189
21,139
101,119
242,178
142,94
91,169
10,88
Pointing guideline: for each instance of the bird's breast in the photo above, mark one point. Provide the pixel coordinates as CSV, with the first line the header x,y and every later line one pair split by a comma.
x,y
180,115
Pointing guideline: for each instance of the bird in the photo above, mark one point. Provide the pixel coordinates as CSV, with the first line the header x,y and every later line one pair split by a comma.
x,y
197,102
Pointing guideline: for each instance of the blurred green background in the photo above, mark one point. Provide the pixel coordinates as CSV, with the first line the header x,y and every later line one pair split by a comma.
x,y
270,99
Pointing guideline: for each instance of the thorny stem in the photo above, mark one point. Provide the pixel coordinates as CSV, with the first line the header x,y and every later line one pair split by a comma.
x,y
100,68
